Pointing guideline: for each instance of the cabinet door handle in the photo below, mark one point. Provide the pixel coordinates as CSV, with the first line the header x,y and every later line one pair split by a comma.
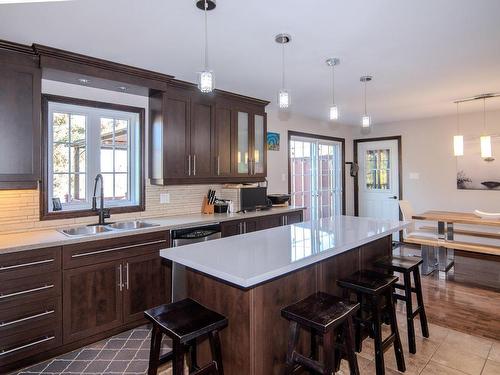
x,y
241,227
127,276
39,315
120,281
117,249
189,165
218,165
13,350
6,268
194,165
244,227
2,296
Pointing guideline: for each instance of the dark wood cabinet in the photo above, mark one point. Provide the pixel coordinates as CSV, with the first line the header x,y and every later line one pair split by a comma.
x,y
293,217
223,145
92,300
144,286
20,107
202,118
241,226
199,138
109,283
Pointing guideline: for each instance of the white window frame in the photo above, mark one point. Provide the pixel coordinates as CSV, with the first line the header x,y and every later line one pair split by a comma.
x,y
92,157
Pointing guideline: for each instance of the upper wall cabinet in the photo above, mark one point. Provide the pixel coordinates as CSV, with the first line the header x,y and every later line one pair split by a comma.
x,y
197,138
20,95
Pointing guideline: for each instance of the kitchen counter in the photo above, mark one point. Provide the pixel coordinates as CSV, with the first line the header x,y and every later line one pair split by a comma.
x,y
253,258
51,237
250,278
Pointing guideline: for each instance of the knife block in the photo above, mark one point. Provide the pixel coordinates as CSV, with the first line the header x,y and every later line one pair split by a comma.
x,y
207,209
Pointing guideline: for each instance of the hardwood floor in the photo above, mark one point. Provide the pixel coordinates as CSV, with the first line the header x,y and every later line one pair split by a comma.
x,y
459,306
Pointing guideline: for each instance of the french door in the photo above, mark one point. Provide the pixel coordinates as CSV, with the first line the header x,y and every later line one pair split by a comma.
x,y
316,175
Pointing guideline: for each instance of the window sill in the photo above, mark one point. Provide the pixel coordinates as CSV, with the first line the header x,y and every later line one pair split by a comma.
x,y
59,215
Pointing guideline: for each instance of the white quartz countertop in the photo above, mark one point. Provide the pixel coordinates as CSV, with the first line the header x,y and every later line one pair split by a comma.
x,y
253,258
51,237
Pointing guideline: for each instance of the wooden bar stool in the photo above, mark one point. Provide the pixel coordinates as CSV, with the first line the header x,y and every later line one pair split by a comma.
x,y
330,318
408,266
184,322
374,291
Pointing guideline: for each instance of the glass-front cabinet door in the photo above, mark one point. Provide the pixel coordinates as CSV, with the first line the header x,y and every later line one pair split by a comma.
x,y
258,166
243,142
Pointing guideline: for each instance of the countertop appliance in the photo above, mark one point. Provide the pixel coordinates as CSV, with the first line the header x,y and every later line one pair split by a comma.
x,y
279,199
186,236
253,198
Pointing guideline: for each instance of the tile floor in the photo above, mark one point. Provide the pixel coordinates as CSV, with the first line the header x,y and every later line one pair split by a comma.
x,y
446,352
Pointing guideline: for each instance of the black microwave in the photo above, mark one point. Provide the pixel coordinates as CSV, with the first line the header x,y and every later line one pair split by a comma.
x,y
253,198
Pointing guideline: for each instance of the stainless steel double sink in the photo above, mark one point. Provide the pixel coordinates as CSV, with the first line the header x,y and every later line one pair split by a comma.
x,y
89,230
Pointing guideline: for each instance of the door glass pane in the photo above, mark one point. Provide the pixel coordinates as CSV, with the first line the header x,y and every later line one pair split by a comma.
x,y
377,169
242,152
259,144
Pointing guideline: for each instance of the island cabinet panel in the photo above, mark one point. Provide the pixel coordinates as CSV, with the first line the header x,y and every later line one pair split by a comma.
x,y
255,340
20,103
92,300
235,304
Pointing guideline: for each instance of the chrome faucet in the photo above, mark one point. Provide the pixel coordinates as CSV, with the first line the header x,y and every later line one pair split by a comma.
x,y
102,212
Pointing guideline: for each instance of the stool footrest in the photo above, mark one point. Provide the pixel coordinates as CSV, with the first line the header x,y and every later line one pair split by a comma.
x,y
402,287
209,369
388,342
308,362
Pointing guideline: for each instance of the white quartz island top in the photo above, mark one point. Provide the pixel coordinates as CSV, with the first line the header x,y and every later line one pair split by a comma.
x,y
250,259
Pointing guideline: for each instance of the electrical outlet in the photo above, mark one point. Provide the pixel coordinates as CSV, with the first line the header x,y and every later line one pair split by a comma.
x,y
164,198
283,177
414,176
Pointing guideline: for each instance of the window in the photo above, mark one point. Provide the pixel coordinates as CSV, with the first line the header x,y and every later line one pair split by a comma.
x,y
316,174
377,169
83,139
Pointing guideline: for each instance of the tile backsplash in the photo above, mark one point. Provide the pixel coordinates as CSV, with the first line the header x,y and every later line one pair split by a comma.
x,y
19,209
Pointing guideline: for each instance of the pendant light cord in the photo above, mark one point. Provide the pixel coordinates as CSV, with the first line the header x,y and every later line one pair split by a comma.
x,y
333,85
283,64
484,115
458,121
206,35
365,97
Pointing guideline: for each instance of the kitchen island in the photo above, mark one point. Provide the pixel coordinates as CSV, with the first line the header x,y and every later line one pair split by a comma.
x,y
250,277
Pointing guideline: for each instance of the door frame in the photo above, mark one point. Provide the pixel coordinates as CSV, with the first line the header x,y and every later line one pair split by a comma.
x,y
324,137
400,166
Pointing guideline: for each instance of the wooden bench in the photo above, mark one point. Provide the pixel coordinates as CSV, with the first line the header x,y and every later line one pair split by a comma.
x,y
455,245
464,232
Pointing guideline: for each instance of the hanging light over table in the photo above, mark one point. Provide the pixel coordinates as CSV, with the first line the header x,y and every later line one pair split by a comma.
x,y
458,140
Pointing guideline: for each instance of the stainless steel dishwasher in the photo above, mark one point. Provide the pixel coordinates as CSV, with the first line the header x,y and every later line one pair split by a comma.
x,y
186,236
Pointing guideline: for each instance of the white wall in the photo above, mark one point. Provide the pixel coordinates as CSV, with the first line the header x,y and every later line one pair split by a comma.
x,y
428,150
277,161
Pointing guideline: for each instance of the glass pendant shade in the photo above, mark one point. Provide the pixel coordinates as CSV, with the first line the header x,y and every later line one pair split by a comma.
x,y
458,145
366,121
485,146
283,98
206,81
334,113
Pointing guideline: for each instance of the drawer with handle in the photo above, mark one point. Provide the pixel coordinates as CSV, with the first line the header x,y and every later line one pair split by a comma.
x,y
29,263
25,344
27,289
28,316
106,250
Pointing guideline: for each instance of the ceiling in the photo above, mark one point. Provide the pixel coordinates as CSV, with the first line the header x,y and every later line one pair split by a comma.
x,y
423,54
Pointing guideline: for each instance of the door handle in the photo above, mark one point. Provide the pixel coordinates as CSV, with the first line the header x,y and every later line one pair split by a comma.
x,y
189,165
120,281
127,276
218,165
393,197
194,165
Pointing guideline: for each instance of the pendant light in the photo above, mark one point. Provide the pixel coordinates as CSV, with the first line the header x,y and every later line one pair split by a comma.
x,y
485,139
283,94
334,110
458,140
365,120
206,78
